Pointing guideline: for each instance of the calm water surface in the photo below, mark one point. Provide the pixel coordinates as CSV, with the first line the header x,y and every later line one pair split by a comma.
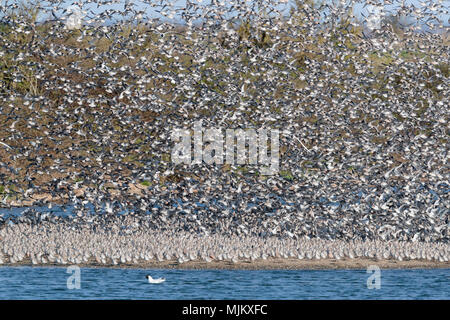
x,y
103,283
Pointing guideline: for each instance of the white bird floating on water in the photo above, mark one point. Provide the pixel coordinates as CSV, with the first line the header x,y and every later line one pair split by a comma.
x,y
151,280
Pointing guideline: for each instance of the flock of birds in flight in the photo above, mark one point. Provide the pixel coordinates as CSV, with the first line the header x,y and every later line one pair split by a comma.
x,y
363,120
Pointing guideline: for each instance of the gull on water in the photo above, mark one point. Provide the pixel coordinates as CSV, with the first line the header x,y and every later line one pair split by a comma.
x,y
151,280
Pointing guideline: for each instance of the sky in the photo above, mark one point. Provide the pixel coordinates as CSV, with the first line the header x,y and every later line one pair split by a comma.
x,y
359,9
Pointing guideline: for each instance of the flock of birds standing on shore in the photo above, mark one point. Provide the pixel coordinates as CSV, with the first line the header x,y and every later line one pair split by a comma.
x,y
67,243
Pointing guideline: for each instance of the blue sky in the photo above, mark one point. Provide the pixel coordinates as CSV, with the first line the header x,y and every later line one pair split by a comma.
x,y
359,9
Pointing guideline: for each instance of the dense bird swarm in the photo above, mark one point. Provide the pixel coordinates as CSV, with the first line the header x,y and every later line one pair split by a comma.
x,y
87,112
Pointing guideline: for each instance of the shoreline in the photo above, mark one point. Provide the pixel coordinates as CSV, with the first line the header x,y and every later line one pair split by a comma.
x,y
132,243
268,264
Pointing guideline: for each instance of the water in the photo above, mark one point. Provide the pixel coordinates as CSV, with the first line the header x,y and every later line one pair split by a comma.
x,y
104,283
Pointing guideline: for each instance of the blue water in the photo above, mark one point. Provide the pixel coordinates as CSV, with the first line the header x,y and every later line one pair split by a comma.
x,y
102,283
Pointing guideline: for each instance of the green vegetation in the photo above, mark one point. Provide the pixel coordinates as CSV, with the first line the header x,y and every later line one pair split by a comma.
x,y
146,183
286,174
